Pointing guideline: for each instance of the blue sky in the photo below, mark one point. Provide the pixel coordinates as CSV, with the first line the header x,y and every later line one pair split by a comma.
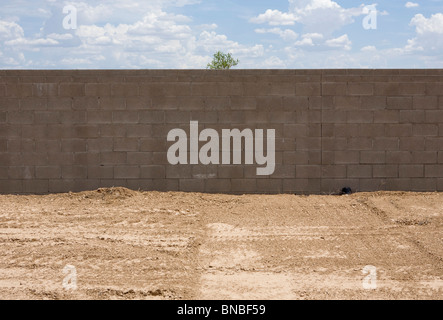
x,y
184,34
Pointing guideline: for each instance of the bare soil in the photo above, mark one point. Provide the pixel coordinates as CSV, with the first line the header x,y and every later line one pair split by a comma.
x,y
150,245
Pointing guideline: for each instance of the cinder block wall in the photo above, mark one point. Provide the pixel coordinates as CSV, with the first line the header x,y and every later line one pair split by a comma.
x,y
79,130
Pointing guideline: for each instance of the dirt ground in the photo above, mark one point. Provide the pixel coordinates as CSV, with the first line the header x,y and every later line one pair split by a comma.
x,y
125,244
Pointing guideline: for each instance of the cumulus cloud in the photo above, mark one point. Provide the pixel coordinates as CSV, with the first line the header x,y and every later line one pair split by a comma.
x,y
411,5
429,34
322,16
121,34
341,42
275,18
287,34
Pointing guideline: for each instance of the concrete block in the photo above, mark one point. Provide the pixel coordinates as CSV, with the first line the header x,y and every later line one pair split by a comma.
x,y
386,144
398,157
100,172
400,103
36,186
22,172
74,172
385,171
201,103
33,104
425,102
360,144
11,187
387,116
192,185
153,172
138,103
230,89
112,103
72,117
360,116
48,172
230,172
433,171
178,171
99,144
398,130
244,185
243,103
287,89
18,90
85,103
346,157
308,171
333,171
412,116
370,130
412,88
334,116
138,131
218,185
360,89
347,102
334,89
98,89
126,172
21,117
112,158
140,158
125,144
269,186
373,102
411,171
71,89
99,116
73,145
424,157
434,88
269,103
308,143
425,130
125,117
196,88
124,90
433,116
150,117
372,157
308,89
359,171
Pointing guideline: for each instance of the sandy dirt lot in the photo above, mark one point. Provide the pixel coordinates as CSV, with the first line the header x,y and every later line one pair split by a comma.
x,y
125,244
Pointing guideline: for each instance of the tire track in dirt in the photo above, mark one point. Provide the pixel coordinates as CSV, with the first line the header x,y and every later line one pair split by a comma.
x,y
246,258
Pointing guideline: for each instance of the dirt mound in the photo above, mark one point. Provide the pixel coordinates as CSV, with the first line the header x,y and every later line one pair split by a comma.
x,y
109,193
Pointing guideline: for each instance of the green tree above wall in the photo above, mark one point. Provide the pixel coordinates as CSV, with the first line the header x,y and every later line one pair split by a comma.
x,y
222,61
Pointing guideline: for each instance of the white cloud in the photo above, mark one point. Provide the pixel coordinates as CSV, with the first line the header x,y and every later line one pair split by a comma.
x,y
287,34
341,42
424,26
10,30
411,5
368,49
309,40
322,16
275,18
429,34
